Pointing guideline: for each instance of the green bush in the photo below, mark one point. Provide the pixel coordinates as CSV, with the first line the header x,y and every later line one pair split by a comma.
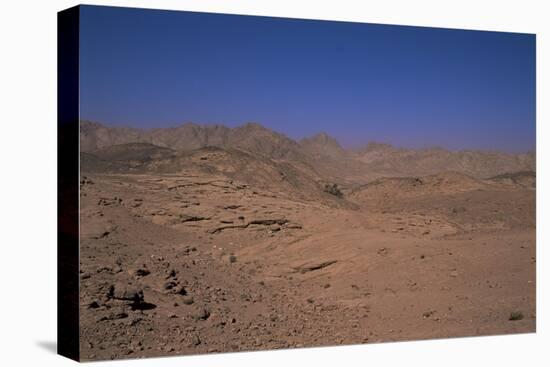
x,y
333,190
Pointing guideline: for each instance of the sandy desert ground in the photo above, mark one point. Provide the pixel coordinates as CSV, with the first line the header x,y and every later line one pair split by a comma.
x,y
223,248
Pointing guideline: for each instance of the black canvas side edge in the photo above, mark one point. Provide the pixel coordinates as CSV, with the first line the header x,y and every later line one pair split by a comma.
x,y
68,337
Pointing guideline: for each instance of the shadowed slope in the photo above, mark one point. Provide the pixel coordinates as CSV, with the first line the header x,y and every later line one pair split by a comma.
x,y
321,152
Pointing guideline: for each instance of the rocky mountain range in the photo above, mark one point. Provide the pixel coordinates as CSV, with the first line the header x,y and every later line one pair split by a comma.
x,y
320,152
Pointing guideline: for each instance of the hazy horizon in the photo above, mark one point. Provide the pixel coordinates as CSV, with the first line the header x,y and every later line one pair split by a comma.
x,y
356,82
359,145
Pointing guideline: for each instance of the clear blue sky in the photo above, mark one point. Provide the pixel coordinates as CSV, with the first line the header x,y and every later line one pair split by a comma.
x,y
408,86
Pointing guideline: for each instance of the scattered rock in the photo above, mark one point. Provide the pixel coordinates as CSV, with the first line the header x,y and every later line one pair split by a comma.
x,y
180,290
264,222
86,181
232,207
171,274
114,316
195,340
294,226
382,251
219,229
169,285
125,293
94,305
109,201
104,231
141,272
516,315
230,258
183,218
268,222
202,314
428,314
307,267
187,300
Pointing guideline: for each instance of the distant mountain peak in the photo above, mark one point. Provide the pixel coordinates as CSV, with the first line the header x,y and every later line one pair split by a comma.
x,y
321,151
321,138
252,126
322,144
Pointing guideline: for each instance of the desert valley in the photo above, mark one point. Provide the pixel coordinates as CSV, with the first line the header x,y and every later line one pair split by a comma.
x,y
205,238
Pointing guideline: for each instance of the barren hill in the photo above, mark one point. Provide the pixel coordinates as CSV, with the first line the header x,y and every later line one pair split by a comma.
x,y
526,179
134,152
299,181
446,182
251,137
241,238
322,145
321,152
385,160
